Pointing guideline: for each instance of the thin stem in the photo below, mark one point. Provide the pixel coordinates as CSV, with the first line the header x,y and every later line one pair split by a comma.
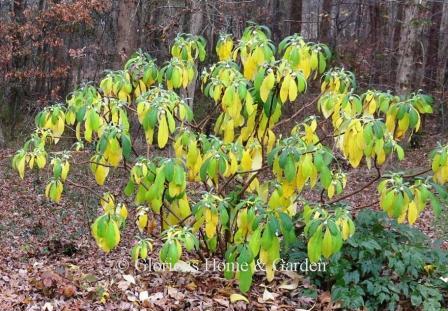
x,y
418,174
366,206
84,187
296,113
247,184
360,189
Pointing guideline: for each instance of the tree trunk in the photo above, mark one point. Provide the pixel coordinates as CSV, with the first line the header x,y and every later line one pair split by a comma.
x,y
325,25
197,17
408,43
310,19
127,35
443,47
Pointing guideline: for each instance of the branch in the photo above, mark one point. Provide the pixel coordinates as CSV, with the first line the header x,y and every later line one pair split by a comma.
x,y
84,187
418,174
360,189
365,206
247,184
297,112
240,173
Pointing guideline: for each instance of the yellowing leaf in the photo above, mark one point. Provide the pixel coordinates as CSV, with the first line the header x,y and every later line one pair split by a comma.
x,y
237,297
284,90
162,135
101,174
327,245
292,90
246,161
20,165
266,86
412,212
142,222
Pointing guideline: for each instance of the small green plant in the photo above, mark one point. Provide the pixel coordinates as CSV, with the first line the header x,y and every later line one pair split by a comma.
x,y
383,265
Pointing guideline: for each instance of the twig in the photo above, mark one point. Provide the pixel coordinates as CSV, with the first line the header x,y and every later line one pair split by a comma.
x,y
360,189
297,112
418,174
365,206
84,187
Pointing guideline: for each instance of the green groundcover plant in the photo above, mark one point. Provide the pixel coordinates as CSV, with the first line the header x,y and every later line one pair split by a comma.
x,y
383,265
232,184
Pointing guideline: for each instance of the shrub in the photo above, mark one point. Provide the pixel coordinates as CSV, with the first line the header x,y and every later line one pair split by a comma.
x,y
241,213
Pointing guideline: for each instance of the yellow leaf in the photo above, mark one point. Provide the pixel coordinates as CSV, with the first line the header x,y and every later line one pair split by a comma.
x,y
162,135
237,297
331,190
266,86
142,222
284,90
20,165
345,230
41,160
124,211
211,220
65,169
292,90
412,212
246,161
101,173
327,247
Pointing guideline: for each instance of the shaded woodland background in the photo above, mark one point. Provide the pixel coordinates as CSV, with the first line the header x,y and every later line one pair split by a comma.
x,y
48,47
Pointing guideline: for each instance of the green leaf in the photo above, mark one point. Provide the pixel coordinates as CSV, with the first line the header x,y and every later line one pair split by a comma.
x,y
168,169
315,246
57,168
325,177
327,244
400,152
436,206
126,146
129,189
290,169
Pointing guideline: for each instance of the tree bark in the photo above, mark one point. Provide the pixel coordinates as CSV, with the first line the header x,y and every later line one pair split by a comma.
x,y
410,30
325,25
443,48
310,19
127,35
197,18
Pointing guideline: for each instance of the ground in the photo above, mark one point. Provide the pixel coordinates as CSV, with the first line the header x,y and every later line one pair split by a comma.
x,y
49,259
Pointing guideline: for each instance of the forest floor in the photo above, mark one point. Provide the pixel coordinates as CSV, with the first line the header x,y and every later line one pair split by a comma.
x,y
49,260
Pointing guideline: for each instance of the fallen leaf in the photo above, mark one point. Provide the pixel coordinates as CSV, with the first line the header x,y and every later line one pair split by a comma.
x,y
182,266
325,297
69,291
90,278
47,306
129,278
130,296
289,286
267,295
123,285
174,293
222,302
191,286
238,297
142,296
156,296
